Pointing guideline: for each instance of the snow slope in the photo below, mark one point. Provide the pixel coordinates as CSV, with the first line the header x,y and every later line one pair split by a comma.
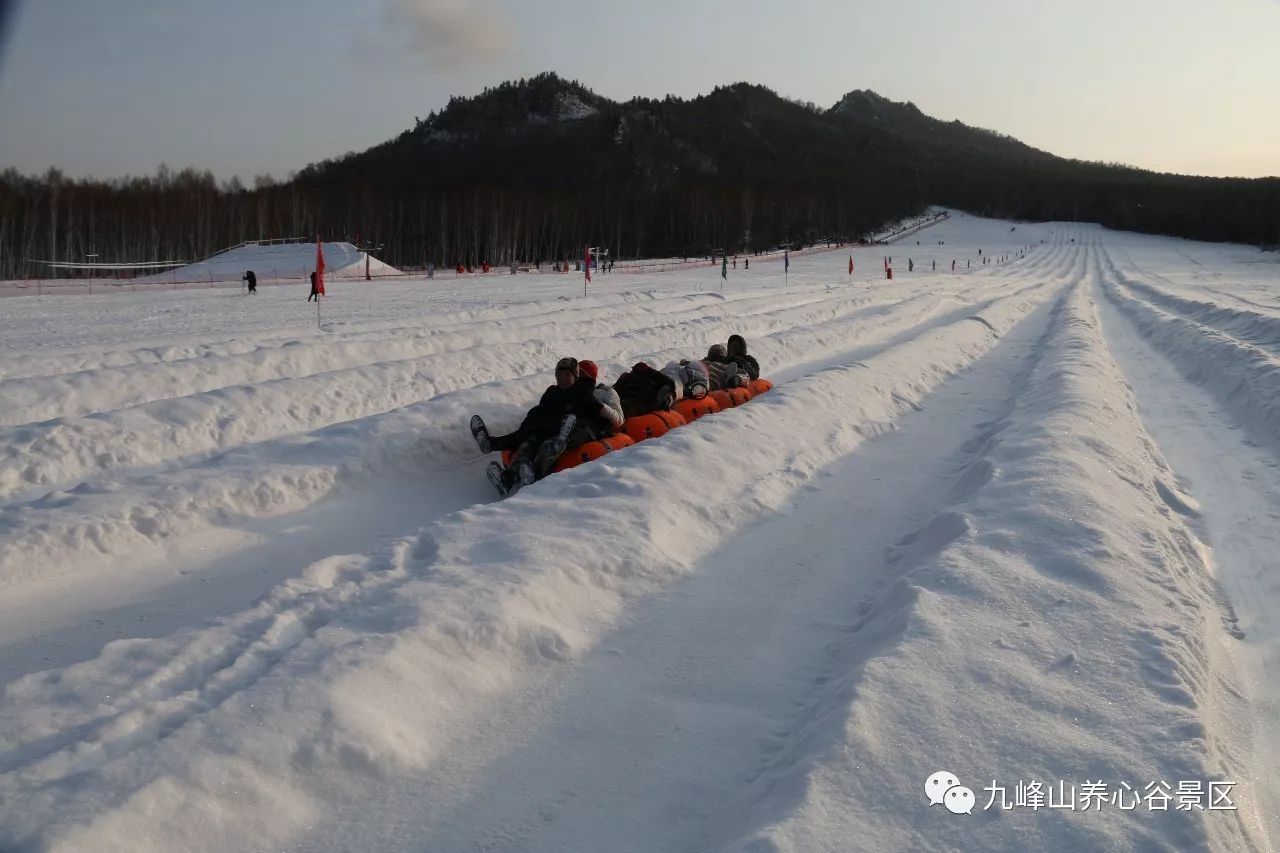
x,y
276,261
255,593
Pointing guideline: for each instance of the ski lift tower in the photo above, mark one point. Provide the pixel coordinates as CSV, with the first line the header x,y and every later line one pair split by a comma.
x,y
598,255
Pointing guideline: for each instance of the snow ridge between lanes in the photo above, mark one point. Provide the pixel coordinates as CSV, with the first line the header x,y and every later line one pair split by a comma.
x,y
1245,377
1058,622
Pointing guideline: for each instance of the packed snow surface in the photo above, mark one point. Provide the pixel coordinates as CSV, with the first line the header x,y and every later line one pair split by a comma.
x,y
1009,532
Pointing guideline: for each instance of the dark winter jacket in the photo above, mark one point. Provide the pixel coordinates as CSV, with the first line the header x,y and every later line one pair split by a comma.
x,y
737,353
644,389
579,399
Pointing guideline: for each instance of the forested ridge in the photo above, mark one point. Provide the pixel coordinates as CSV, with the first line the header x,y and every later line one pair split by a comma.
x,y
535,169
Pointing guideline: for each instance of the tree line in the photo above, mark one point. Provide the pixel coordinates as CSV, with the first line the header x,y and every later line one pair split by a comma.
x,y
533,170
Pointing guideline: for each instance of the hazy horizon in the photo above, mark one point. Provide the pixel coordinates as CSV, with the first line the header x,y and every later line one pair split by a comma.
x,y
242,90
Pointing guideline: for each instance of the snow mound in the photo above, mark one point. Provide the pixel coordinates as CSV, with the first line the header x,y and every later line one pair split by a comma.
x,y
276,261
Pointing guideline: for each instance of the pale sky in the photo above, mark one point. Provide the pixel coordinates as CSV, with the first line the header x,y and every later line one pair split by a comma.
x,y
115,87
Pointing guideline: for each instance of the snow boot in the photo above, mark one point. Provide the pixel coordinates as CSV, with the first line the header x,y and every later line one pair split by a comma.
x,y
496,473
480,433
525,475
551,449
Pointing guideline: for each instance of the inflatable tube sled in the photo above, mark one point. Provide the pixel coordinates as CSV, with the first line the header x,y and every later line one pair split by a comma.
x,y
651,425
655,424
691,409
728,398
575,456
722,398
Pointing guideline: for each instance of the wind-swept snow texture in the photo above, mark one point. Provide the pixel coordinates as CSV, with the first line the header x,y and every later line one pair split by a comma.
x,y
1015,523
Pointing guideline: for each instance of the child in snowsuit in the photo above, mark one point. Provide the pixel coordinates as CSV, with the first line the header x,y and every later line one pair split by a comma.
x,y
315,294
252,279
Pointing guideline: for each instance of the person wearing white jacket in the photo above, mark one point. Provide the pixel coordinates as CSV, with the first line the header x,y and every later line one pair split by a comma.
x,y
611,413
690,378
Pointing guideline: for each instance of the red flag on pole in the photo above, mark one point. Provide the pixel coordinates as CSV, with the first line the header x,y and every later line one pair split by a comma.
x,y
851,265
587,265
319,267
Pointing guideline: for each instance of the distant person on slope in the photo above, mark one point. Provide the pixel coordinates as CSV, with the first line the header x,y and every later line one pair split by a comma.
x,y
569,413
315,294
251,279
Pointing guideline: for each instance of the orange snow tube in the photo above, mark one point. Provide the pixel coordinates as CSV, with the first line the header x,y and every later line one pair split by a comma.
x,y
691,409
727,398
722,398
651,425
575,456
759,386
583,452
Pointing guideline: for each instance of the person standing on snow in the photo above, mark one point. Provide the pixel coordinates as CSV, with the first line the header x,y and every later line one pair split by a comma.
x,y
315,294
251,279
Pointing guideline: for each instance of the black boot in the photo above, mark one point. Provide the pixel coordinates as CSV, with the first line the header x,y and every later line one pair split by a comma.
x,y
480,433
497,476
551,449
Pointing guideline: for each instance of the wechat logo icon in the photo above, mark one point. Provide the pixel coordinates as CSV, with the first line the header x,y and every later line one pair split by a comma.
x,y
945,788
